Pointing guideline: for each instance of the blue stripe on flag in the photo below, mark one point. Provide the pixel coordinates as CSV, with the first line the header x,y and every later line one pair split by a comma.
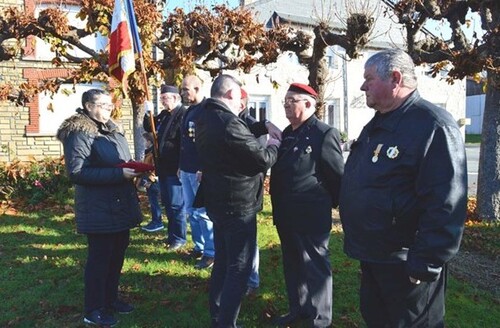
x,y
133,26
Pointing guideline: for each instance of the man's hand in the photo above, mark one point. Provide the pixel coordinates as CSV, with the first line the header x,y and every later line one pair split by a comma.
x,y
273,142
148,107
273,130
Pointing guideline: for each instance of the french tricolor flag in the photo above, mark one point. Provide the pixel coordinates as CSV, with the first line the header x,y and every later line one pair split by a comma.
x,y
124,41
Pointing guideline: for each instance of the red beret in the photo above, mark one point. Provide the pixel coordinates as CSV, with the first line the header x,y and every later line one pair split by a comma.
x,y
303,89
244,94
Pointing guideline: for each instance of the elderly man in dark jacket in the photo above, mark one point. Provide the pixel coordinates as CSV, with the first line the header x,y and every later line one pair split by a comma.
x,y
168,123
403,198
106,202
233,161
305,183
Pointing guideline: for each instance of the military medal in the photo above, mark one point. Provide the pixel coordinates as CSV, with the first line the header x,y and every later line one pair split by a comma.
x,y
393,152
376,152
191,130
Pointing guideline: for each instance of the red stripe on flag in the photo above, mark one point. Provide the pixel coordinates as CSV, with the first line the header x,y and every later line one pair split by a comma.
x,y
120,45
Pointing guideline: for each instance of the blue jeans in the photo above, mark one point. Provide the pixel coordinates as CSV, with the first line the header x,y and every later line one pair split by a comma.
x,y
171,197
254,280
202,230
235,241
154,203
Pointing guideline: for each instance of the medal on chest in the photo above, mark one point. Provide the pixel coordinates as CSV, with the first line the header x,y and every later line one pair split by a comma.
x,y
376,152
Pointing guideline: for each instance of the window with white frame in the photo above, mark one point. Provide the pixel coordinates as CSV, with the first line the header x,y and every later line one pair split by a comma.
x,y
332,59
95,41
332,113
55,109
258,107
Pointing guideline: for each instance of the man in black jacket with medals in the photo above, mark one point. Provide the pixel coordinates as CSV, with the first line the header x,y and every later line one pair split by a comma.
x,y
305,183
403,198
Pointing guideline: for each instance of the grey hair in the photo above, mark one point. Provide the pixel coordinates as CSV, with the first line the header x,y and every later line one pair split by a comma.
x,y
387,61
222,84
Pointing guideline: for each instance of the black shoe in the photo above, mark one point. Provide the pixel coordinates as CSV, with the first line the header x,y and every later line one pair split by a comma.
x,y
100,318
174,247
195,254
206,262
122,307
288,319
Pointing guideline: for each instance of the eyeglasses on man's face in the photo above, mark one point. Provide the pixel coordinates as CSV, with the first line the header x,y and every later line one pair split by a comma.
x,y
104,105
167,97
291,101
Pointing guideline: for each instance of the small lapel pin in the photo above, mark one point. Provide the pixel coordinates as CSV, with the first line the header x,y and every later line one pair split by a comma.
x,y
392,152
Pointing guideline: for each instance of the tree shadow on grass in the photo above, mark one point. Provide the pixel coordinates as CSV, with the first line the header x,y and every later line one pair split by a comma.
x,y
42,262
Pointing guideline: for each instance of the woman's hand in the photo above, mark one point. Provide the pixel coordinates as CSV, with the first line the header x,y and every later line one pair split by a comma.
x,y
129,173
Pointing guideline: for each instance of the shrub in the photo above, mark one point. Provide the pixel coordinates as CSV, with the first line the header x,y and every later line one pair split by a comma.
x,y
480,235
35,180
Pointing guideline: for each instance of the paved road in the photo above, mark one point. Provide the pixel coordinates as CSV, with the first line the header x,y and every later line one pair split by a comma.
x,y
472,151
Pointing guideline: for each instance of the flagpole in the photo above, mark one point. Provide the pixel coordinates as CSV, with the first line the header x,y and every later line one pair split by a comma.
x,y
156,150
138,50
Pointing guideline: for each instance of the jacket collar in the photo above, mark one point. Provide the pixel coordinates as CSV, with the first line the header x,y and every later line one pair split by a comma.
x,y
212,102
390,121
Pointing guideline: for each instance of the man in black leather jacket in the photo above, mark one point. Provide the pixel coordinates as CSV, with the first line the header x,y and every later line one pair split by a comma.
x,y
403,198
233,161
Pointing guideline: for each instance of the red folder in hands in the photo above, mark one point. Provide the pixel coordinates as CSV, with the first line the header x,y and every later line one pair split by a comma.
x,y
137,166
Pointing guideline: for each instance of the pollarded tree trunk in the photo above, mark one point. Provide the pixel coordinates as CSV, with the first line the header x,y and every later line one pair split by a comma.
x,y
488,186
139,145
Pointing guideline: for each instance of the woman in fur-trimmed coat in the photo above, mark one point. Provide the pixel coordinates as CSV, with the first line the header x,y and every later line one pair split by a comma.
x,y
106,202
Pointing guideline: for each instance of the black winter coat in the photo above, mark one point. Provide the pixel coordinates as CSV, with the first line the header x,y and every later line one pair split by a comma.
x,y
233,162
404,191
105,201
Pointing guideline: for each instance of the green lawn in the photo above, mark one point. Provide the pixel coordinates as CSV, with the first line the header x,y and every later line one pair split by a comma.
x,y
41,273
473,138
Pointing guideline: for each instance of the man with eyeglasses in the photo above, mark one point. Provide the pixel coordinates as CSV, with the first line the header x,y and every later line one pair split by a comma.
x,y
168,124
305,184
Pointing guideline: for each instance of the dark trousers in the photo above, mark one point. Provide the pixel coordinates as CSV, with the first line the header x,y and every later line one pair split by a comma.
x,y
308,275
106,253
172,200
235,242
389,299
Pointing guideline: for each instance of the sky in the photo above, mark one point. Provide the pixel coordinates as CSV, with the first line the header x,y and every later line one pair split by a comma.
x,y
438,28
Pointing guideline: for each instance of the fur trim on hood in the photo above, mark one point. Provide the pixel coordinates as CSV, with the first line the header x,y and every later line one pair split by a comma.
x,y
81,122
